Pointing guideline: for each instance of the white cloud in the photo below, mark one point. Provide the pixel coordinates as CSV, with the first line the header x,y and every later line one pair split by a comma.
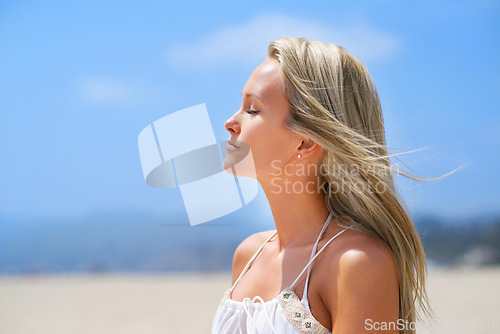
x,y
105,90
248,43
113,91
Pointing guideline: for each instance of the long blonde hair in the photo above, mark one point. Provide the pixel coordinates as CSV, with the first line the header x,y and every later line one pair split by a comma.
x,y
334,102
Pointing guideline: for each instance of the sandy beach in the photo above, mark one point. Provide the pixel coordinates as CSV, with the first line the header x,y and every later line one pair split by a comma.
x,y
465,301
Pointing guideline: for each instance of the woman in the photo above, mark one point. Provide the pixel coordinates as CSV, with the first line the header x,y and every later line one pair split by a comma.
x,y
345,256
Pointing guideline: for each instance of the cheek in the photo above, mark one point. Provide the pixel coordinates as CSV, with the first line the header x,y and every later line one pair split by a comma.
x,y
271,147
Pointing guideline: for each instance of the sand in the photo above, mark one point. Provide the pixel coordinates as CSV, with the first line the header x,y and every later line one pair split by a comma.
x,y
465,301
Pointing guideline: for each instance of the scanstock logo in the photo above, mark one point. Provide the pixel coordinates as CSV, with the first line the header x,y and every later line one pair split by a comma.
x,y
180,151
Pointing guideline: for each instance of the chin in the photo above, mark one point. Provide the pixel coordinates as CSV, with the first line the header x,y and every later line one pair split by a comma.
x,y
240,163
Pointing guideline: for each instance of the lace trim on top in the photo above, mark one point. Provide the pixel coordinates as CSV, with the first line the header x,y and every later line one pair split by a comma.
x,y
295,312
299,315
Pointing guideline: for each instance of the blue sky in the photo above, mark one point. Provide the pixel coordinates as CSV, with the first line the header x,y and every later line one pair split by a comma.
x,y
79,81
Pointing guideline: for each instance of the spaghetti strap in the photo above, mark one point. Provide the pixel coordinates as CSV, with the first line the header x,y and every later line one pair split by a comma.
x,y
315,247
315,256
251,260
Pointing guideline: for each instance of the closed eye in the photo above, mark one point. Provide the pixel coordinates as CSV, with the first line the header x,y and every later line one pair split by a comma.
x,y
251,112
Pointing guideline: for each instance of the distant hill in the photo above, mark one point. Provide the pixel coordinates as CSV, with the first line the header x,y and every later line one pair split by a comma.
x,y
118,243
138,243
472,242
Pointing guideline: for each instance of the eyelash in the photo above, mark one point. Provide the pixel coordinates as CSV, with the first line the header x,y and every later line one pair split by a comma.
x,y
251,112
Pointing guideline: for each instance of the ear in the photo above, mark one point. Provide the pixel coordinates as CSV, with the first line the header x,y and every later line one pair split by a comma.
x,y
307,148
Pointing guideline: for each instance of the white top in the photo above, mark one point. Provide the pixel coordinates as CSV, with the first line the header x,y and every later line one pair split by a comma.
x,y
285,314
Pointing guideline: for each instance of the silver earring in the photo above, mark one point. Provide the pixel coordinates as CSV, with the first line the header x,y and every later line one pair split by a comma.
x,y
299,156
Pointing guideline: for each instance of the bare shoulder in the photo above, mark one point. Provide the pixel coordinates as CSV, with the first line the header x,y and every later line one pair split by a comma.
x,y
358,255
361,253
247,249
366,279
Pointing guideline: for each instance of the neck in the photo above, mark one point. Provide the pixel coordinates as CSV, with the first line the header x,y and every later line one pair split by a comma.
x,y
298,215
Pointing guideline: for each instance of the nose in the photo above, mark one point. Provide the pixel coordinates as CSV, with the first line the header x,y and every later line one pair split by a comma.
x,y
232,125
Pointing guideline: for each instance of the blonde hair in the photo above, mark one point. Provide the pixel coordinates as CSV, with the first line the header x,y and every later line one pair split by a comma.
x,y
334,102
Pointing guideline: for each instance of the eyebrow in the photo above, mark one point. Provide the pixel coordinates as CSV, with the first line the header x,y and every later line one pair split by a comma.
x,y
254,95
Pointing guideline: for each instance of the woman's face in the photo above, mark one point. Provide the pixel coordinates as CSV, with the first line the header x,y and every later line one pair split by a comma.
x,y
260,123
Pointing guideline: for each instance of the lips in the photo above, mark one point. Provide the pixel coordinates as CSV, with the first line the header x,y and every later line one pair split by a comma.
x,y
231,145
